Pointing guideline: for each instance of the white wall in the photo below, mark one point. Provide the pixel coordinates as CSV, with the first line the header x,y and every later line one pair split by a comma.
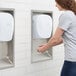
x,y
23,65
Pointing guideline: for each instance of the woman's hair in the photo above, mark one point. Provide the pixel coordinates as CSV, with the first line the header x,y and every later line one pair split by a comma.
x,y
67,4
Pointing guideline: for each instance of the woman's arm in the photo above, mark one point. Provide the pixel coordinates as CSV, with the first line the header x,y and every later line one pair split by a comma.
x,y
55,40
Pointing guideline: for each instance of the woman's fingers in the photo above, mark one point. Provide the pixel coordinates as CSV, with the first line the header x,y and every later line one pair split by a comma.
x,y
42,45
42,48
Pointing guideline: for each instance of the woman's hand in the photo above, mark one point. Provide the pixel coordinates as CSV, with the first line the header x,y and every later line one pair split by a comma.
x,y
42,48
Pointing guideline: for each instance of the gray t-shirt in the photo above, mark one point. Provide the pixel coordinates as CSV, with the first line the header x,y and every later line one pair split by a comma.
x,y
67,22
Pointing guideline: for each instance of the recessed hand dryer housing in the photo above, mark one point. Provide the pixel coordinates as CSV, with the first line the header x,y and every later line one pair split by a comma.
x,y
6,26
42,26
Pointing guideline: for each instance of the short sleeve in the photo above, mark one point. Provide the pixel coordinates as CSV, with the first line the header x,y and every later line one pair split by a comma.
x,y
65,21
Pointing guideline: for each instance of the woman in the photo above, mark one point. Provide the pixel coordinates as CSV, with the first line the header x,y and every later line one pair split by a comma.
x,y
65,32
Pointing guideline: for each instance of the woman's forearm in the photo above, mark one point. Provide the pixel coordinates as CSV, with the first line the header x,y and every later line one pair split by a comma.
x,y
54,41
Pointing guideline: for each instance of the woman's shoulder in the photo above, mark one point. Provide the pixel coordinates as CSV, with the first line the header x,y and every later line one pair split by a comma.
x,y
67,14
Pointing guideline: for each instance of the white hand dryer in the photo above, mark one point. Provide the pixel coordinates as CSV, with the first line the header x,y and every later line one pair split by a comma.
x,y
42,26
6,26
